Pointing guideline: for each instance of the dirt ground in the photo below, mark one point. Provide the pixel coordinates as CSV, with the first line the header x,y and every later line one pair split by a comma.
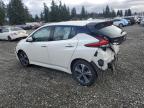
x,y
38,87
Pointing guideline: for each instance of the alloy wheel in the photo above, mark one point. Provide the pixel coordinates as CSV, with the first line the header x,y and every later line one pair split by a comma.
x,y
83,73
23,58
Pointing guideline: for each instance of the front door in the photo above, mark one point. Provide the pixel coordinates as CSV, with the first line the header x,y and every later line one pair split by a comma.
x,y
38,49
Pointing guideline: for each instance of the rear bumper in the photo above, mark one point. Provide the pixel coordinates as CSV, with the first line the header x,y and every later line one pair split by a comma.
x,y
111,65
104,59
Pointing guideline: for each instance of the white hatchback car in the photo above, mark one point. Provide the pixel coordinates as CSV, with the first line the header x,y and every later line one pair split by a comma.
x,y
76,47
12,33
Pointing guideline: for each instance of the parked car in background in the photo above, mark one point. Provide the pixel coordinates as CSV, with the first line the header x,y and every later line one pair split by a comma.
x,y
12,33
138,20
142,21
80,48
131,19
34,25
25,27
120,22
129,22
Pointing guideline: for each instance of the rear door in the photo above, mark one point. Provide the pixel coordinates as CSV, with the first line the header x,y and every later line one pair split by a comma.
x,y
62,46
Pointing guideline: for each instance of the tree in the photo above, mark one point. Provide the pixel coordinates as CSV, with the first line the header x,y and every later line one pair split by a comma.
x,y
83,13
42,16
66,12
54,14
16,12
113,14
73,13
28,16
118,13
46,13
37,18
107,12
129,12
61,12
126,13
2,12
121,13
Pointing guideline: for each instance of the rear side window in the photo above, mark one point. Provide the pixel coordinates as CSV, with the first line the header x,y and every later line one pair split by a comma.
x,y
64,32
61,33
83,29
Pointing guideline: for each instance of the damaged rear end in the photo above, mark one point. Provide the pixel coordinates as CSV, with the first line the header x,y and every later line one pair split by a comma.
x,y
110,38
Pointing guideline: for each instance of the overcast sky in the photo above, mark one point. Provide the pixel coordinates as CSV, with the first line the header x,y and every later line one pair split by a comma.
x,y
36,6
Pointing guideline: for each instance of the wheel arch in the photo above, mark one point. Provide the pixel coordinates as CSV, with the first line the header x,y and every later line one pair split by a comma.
x,y
9,37
91,63
20,50
73,61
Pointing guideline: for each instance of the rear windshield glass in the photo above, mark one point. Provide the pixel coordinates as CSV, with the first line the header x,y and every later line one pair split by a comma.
x,y
111,31
106,29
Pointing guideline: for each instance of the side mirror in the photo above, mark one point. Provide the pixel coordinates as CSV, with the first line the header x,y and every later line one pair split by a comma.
x,y
30,39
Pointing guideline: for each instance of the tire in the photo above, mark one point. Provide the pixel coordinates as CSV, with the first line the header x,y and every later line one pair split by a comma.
x,y
120,25
84,73
23,58
9,38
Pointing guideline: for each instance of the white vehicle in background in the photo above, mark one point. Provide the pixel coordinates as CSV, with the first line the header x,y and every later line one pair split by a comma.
x,y
120,22
79,48
12,33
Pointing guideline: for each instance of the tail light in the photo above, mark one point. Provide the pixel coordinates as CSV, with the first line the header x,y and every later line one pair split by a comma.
x,y
102,42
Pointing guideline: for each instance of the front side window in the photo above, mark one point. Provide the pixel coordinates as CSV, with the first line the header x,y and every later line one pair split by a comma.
x,y
42,34
61,33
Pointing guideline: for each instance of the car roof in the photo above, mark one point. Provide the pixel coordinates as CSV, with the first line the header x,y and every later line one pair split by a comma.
x,y
76,23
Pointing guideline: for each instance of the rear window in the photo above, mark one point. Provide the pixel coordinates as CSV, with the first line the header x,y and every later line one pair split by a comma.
x,y
111,31
106,29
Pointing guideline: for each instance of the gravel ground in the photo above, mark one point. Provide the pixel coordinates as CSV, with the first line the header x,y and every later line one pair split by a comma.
x,y
38,87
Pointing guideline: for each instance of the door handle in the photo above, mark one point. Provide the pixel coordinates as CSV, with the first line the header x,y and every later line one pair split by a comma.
x,y
43,46
69,46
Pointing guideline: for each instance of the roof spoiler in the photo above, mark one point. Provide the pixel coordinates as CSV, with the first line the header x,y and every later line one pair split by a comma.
x,y
100,25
